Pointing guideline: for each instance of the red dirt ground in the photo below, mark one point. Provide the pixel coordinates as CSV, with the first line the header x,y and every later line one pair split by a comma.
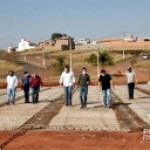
x,y
71,140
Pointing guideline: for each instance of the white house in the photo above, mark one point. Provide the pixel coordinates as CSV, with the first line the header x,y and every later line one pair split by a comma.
x,y
84,41
25,45
129,37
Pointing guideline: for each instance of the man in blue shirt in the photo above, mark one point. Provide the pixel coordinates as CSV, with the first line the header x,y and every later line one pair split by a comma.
x,y
25,80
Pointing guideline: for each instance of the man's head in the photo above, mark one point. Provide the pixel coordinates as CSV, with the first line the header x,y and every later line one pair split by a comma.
x,y
103,72
130,69
34,74
26,73
66,68
11,72
84,70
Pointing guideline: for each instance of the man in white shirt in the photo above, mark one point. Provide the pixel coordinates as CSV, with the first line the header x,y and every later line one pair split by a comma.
x,y
131,79
12,83
67,80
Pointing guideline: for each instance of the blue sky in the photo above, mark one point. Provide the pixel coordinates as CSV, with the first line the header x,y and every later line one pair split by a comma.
x,y
95,19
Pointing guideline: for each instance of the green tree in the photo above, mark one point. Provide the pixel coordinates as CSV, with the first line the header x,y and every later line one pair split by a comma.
x,y
54,36
92,59
104,59
59,64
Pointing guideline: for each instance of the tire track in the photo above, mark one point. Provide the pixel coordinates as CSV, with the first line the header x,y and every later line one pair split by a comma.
x,y
145,91
40,120
127,118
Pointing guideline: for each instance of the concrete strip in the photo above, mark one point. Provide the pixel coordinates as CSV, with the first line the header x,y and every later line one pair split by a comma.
x,y
140,105
13,116
94,117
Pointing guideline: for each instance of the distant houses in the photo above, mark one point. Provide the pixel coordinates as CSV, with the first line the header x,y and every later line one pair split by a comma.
x,y
128,41
64,43
25,45
84,41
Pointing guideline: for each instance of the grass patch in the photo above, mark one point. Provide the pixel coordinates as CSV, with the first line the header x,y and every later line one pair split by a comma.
x,y
5,66
143,65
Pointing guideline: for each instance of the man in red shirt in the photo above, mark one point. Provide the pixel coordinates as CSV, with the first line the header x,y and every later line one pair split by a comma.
x,y
35,84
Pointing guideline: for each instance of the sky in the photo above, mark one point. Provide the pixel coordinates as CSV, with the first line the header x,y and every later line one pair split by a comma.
x,y
95,19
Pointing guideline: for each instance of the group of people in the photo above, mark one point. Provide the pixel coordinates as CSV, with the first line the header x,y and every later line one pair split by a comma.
x,y
67,81
28,82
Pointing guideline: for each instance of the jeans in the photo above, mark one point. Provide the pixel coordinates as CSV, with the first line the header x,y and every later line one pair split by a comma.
x,y
11,93
131,89
35,94
83,96
26,90
106,97
68,95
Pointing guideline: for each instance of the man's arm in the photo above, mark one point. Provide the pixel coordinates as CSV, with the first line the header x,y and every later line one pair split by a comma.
x,y
79,80
89,80
74,81
16,82
112,84
41,82
99,82
61,80
136,81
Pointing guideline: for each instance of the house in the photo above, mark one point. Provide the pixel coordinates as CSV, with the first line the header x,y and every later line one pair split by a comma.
x,y
25,45
47,44
63,43
84,41
11,49
129,37
128,41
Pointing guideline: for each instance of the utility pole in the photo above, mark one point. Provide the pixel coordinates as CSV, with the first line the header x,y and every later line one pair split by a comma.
x,y
43,57
98,69
25,57
70,49
123,55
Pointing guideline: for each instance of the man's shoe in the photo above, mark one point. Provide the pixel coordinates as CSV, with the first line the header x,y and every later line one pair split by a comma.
x,y
81,107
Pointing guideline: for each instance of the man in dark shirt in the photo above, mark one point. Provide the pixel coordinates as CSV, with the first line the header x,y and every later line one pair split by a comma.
x,y
25,80
105,82
35,84
84,81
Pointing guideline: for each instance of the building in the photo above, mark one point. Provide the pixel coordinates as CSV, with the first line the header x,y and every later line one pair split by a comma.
x,y
63,43
128,41
25,45
129,37
84,41
11,49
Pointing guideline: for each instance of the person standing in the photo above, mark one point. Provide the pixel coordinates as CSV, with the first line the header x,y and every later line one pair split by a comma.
x,y
25,80
35,84
67,80
105,81
131,79
12,83
84,81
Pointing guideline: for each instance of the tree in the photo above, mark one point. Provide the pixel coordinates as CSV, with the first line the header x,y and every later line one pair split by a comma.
x,y
54,36
104,59
59,65
92,59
